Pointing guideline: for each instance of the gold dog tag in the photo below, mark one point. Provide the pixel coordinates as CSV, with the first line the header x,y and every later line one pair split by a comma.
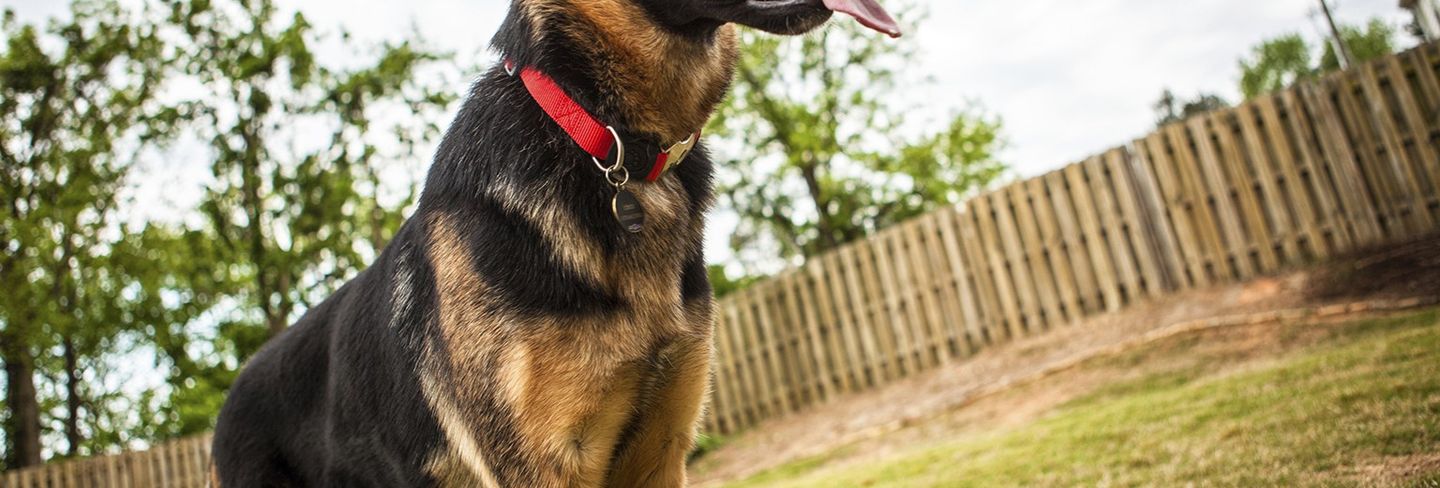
x,y
628,211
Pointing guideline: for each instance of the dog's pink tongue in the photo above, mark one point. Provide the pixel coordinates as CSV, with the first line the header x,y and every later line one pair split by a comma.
x,y
868,12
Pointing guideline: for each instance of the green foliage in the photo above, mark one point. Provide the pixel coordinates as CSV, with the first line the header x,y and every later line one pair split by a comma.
x,y
74,99
287,221
820,152
1278,63
723,284
704,444
1171,109
286,218
1374,41
1275,64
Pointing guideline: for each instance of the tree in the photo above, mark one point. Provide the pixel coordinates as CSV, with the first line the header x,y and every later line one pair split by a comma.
x,y
1171,109
291,215
1374,41
313,165
722,284
1278,63
817,151
67,114
1275,64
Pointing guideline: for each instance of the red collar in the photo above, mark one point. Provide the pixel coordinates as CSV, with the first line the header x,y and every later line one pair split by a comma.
x,y
601,141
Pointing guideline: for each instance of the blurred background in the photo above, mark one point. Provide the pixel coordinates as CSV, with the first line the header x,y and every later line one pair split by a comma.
x,y
182,179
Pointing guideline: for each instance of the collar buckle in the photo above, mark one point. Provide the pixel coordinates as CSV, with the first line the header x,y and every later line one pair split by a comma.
x,y
677,153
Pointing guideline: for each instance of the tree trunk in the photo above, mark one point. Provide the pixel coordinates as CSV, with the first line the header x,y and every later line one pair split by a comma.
x,y
824,222
22,427
73,437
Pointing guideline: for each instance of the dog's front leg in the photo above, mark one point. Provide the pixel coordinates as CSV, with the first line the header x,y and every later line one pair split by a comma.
x,y
664,431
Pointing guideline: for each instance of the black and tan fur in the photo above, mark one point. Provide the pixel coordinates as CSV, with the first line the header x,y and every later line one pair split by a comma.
x,y
512,334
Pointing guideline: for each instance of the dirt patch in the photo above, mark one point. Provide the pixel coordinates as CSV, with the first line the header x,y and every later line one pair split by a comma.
x,y
1395,470
1017,382
1395,271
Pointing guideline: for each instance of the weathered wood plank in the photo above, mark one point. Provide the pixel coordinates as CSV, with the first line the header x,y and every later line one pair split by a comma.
x,y
1026,218
860,283
967,335
1094,243
1339,158
1222,203
1131,195
837,300
787,375
943,288
802,303
844,355
920,234
772,385
1272,201
1013,251
730,379
1428,83
1409,190
1087,282
995,257
908,298
1373,161
804,354
1158,164
1318,181
1111,225
1053,246
903,320
1203,202
979,264
1417,128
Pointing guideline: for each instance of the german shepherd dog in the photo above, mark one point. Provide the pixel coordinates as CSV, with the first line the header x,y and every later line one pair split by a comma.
x,y
515,333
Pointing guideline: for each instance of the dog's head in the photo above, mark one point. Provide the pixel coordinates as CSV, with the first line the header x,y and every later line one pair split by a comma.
x,y
786,17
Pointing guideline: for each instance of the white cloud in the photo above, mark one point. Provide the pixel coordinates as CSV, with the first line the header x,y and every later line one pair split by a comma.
x,y
1074,78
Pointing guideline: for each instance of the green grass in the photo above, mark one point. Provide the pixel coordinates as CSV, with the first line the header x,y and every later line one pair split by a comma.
x,y
1368,393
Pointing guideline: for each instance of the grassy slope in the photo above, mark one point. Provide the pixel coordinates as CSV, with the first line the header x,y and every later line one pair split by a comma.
x,y
1365,396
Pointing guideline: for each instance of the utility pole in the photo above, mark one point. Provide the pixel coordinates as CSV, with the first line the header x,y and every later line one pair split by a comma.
x,y
1346,60
1427,17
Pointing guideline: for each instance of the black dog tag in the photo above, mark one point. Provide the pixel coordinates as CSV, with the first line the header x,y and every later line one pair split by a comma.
x,y
628,211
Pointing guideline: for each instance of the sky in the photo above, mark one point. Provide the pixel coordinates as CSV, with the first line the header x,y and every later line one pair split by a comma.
x,y
1068,79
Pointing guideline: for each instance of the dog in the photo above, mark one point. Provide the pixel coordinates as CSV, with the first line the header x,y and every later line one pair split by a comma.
x,y
544,317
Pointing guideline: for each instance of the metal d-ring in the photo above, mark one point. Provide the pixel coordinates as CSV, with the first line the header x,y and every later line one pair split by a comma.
x,y
619,155
618,181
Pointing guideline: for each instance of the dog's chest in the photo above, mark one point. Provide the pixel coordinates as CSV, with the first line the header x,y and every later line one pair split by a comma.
x,y
646,270
565,384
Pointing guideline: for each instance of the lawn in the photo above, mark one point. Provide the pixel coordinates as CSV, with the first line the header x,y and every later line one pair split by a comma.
x,y
1358,407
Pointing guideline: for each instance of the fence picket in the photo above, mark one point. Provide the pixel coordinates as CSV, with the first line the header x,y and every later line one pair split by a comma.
x,y
968,334
1034,257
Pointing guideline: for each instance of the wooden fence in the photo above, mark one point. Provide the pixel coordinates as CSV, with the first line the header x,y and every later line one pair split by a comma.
x,y
183,463
1346,161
